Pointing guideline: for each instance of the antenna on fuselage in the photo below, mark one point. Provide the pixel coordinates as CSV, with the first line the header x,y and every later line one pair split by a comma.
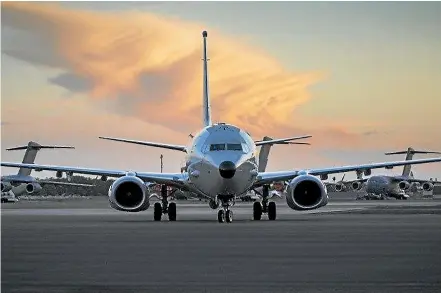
x,y
206,98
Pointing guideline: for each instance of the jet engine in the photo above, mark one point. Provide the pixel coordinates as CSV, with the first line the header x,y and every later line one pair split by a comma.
x,y
59,174
33,188
404,185
6,186
427,186
356,185
306,192
339,187
129,194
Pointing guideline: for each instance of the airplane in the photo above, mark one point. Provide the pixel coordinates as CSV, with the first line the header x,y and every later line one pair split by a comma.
x,y
378,187
13,186
221,165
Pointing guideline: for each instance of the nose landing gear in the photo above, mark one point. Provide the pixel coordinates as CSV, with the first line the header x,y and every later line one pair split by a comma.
x,y
225,214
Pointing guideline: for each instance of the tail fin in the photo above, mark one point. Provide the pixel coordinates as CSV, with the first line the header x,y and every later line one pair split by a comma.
x,y
263,154
409,156
31,153
206,104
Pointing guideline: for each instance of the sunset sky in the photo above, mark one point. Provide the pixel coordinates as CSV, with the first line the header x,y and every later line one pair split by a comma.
x,y
362,77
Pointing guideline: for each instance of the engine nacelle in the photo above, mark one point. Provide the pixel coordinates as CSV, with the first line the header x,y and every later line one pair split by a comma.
x,y
6,186
404,185
32,188
339,187
427,186
306,192
324,177
367,172
129,194
59,174
356,185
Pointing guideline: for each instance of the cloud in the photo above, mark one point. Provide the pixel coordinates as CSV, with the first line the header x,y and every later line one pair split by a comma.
x,y
149,66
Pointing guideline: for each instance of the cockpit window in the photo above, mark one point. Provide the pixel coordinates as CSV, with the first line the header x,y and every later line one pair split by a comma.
x,y
234,147
217,147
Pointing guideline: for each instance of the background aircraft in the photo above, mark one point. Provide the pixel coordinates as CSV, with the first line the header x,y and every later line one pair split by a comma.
x,y
221,165
391,186
12,186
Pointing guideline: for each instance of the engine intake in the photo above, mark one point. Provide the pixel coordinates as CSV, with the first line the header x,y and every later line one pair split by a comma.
x,y
306,192
32,188
404,185
129,194
427,186
339,187
356,185
6,186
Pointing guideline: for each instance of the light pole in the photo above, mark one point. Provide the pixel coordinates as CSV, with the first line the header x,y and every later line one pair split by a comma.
x,y
161,162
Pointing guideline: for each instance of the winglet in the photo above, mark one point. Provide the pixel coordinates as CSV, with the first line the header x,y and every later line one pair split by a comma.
x,y
206,97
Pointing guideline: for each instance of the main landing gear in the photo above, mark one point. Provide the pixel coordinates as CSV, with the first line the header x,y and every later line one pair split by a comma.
x,y
265,207
164,207
225,214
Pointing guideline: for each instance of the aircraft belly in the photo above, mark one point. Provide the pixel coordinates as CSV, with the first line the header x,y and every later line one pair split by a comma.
x,y
206,178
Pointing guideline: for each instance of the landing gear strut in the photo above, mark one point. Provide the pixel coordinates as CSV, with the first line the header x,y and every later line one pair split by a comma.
x,y
265,207
164,207
225,214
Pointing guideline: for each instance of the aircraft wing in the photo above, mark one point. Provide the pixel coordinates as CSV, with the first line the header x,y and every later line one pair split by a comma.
x,y
173,179
269,177
148,143
43,182
283,140
413,180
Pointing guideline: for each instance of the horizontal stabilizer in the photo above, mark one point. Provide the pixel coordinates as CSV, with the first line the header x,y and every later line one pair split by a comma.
x,y
148,143
37,146
412,152
283,140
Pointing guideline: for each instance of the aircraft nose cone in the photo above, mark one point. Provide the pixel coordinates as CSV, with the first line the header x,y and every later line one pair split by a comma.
x,y
227,169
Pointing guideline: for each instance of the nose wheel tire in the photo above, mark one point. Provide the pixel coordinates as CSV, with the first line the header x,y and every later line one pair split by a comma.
x,y
272,211
157,212
221,216
257,211
172,211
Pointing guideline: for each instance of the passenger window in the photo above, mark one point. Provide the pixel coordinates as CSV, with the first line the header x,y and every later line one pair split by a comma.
x,y
217,147
234,147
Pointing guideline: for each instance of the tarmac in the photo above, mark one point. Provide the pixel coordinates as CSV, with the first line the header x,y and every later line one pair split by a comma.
x,y
82,245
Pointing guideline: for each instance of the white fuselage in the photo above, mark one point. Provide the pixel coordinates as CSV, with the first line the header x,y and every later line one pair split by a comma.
x,y
221,160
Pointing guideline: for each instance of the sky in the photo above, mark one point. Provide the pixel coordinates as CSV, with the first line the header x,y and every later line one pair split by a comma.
x,y
363,78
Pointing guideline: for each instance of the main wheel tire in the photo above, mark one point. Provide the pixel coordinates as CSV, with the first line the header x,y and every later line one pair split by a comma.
x,y
257,211
221,216
272,211
172,211
229,216
157,212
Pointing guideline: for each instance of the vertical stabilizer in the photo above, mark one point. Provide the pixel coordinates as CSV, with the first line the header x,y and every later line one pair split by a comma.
x,y
206,104
409,156
264,154
31,153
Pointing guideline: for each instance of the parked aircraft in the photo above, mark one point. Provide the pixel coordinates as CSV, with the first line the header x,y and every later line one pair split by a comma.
x,y
393,186
221,165
13,186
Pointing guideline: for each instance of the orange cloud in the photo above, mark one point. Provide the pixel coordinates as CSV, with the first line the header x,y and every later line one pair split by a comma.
x,y
150,67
